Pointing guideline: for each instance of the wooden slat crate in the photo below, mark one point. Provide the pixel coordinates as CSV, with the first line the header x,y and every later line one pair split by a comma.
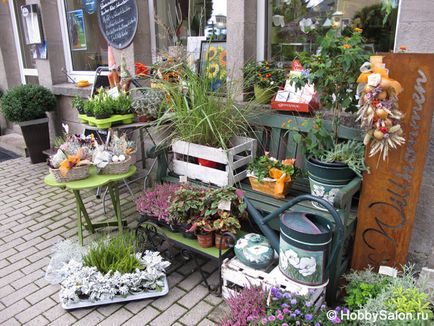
x,y
234,159
236,276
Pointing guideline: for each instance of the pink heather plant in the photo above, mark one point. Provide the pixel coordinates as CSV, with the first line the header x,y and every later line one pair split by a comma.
x,y
246,307
155,202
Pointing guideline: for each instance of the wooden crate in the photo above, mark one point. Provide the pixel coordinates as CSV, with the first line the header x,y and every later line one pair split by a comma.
x,y
236,276
234,160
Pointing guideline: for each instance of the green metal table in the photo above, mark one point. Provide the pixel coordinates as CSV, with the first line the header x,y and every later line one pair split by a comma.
x,y
92,182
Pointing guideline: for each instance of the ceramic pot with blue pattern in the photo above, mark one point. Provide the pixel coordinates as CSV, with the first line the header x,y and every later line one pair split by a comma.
x,y
254,251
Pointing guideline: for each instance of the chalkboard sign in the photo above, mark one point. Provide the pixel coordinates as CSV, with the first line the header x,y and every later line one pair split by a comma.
x,y
118,21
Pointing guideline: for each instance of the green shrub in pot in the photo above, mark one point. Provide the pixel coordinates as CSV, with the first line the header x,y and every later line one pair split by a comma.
x,y
27,102
102,110
26,105
78,104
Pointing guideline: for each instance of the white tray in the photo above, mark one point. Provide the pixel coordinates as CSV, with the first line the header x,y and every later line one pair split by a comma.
x,y
117,299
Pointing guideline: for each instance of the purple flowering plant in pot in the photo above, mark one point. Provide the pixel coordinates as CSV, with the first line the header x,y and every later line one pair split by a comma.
x,y
246,307
155,203
286,309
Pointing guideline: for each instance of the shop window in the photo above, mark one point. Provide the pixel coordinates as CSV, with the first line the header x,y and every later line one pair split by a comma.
x,y
176,20
294,24
87,45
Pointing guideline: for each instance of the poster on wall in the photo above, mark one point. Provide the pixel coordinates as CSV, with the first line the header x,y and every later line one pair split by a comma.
x,y
89,6
32,24
77,31
213,56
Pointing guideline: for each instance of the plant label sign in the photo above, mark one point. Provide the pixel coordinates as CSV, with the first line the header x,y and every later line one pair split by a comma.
x,y
390,192
118,20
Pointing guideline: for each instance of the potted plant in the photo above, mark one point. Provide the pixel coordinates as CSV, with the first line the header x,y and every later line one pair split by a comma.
x,y
148,104
266,79
88,107
333,71
207,126
203,230
225,223
271,176
78,104
155,202
26,105
109,270
102,109
122,104
187,205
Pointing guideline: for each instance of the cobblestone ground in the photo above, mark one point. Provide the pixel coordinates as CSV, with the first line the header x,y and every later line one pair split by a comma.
x,y
33,217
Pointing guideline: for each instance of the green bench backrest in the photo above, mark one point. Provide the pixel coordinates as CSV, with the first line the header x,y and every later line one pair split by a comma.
x,y
274,135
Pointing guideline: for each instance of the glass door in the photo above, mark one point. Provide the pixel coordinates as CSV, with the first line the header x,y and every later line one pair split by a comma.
x,y
26,53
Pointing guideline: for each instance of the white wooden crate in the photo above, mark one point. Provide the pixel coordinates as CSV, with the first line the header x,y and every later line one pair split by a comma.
x,y
235,160
236,275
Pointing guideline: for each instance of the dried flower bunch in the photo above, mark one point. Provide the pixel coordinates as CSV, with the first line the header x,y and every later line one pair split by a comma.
x,y
379,112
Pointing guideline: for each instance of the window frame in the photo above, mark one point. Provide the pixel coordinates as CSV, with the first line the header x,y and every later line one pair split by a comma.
x,y
75,74
263,36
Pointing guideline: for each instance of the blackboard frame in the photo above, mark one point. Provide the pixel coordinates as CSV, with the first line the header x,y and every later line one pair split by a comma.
x,y
127,44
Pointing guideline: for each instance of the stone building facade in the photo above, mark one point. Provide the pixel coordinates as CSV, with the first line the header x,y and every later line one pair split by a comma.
x,y
415,19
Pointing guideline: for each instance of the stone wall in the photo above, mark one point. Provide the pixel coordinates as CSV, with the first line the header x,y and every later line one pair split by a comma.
x,y
416,21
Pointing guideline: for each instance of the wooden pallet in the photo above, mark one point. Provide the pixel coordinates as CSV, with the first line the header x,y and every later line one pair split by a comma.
x,y
236,276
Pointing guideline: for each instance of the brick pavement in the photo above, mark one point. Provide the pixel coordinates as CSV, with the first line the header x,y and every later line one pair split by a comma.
x,y
33,217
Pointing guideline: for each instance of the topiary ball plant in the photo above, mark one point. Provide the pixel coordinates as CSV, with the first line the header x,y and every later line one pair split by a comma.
x,y
27,102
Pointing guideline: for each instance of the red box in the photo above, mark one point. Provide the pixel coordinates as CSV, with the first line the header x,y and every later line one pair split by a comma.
x,y
293,106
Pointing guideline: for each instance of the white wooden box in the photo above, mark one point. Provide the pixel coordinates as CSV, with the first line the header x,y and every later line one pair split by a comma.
x,y
234,159
236,275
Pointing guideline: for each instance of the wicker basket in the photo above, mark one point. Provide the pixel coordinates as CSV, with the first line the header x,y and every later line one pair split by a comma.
x,y
76,173
117,167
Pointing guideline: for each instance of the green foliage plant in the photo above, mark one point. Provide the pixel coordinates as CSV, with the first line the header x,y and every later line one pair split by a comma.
x,y
78,104
410,300
262,165
113,254
199,115
264,74
334,71
27,102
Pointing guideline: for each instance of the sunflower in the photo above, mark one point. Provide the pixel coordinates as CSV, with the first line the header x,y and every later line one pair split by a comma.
x,y
222,58
213,70
211,54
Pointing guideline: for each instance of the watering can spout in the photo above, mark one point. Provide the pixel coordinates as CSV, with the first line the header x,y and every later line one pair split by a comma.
x,y
262,221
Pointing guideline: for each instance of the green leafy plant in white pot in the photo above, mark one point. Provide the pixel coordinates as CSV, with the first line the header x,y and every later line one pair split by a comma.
x,y
27,105
208,126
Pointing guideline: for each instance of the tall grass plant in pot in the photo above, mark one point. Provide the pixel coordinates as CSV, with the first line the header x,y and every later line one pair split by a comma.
x,y
204,124
27,105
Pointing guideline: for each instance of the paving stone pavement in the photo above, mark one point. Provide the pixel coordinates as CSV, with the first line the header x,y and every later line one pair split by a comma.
x,y
33,217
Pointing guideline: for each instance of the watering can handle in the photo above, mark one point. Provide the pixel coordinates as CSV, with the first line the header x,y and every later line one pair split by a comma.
x,y
338,222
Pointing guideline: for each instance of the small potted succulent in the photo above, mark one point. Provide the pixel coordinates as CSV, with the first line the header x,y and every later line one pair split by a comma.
x,y
225,223
27,105
148,106
271,176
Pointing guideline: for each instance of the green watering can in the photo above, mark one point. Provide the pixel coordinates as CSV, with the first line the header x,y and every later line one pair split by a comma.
x,y
305,240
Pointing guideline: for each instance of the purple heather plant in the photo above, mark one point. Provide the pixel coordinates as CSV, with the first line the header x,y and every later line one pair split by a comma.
x,y
246,307
155,202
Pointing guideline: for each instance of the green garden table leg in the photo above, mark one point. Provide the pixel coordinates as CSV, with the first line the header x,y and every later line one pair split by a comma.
x,y
79,225
114,195
82,208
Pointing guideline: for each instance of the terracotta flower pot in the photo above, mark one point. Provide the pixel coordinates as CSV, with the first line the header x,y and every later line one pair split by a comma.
x,y
224,243
205,240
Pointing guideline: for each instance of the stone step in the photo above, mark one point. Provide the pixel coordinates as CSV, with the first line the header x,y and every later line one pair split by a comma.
x,y
15,143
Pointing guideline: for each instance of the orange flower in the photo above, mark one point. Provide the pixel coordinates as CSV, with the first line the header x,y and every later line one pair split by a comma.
x,y
69,163
347,46
403,48
358,30
288,161
222,58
